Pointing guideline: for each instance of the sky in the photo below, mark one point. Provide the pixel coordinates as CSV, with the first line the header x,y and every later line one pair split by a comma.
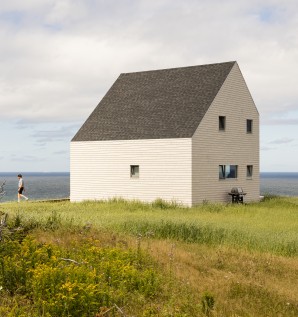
x,y
58,58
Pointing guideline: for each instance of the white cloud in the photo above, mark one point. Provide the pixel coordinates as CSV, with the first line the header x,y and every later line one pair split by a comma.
x,y
284,140
281,121
59,57
61,134
66,54
61,152
267,148
27,158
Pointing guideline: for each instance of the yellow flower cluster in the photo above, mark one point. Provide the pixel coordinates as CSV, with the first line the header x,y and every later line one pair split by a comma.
x,y
76,281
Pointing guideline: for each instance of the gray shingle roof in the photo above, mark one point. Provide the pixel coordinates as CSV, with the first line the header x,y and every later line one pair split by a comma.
x,y
167,103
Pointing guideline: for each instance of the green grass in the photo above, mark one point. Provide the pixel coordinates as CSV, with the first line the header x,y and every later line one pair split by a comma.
x,y
210,260
269,226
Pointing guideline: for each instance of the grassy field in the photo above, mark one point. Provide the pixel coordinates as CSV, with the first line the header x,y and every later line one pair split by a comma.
x,y
213,260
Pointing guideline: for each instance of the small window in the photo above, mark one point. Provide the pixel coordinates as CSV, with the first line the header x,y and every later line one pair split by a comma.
x,y
134,171
249,126
228,171
221,123
221,171
249,171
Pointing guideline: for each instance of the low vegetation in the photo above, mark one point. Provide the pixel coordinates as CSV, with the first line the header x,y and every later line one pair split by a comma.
x,y
120,258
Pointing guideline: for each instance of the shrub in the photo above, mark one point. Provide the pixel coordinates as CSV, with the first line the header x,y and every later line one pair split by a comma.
x,y
58,285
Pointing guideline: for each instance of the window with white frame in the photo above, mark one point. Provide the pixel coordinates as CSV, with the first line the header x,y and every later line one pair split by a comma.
x,y
249,171
227,171
134,171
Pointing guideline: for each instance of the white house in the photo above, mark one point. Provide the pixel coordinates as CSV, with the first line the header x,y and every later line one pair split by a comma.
x,y
186,134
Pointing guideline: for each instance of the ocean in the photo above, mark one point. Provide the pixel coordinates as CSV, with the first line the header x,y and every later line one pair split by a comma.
x,y
280,184
56,185
38,186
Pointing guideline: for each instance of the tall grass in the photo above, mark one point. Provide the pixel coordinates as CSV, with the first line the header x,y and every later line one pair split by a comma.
x,y
212,260
269,226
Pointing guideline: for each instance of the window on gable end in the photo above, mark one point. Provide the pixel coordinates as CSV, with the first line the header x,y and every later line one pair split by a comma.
x,y
221,171
249,171
221,123
248,126
228,171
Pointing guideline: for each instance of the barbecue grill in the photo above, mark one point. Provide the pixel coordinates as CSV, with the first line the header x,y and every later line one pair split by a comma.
x,y
237,194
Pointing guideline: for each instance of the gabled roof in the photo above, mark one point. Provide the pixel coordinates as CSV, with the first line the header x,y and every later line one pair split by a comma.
x,y
167,103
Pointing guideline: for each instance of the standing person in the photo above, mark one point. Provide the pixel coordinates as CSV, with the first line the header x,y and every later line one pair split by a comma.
x,y
21,188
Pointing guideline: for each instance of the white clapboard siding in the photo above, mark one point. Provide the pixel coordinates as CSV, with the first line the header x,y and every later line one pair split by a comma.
x,y
100,170
234,146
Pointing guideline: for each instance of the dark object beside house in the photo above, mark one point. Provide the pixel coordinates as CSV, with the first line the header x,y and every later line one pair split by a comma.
x,y
237,194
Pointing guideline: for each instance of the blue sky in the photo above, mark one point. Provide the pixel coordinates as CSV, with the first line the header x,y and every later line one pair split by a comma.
x,y
59,57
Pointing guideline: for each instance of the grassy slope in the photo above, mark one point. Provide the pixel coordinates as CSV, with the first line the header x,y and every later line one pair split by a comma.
x,y
270,226
245,255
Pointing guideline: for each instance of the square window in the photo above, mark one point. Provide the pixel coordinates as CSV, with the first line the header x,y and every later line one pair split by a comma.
x,y
249,126
134,171
221,123
249,171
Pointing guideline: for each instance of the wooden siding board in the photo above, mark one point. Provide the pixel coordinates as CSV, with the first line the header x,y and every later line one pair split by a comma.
x,y
101,170
212,147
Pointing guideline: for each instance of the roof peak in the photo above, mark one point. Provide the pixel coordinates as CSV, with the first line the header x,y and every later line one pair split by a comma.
x,y
178,68
155,104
